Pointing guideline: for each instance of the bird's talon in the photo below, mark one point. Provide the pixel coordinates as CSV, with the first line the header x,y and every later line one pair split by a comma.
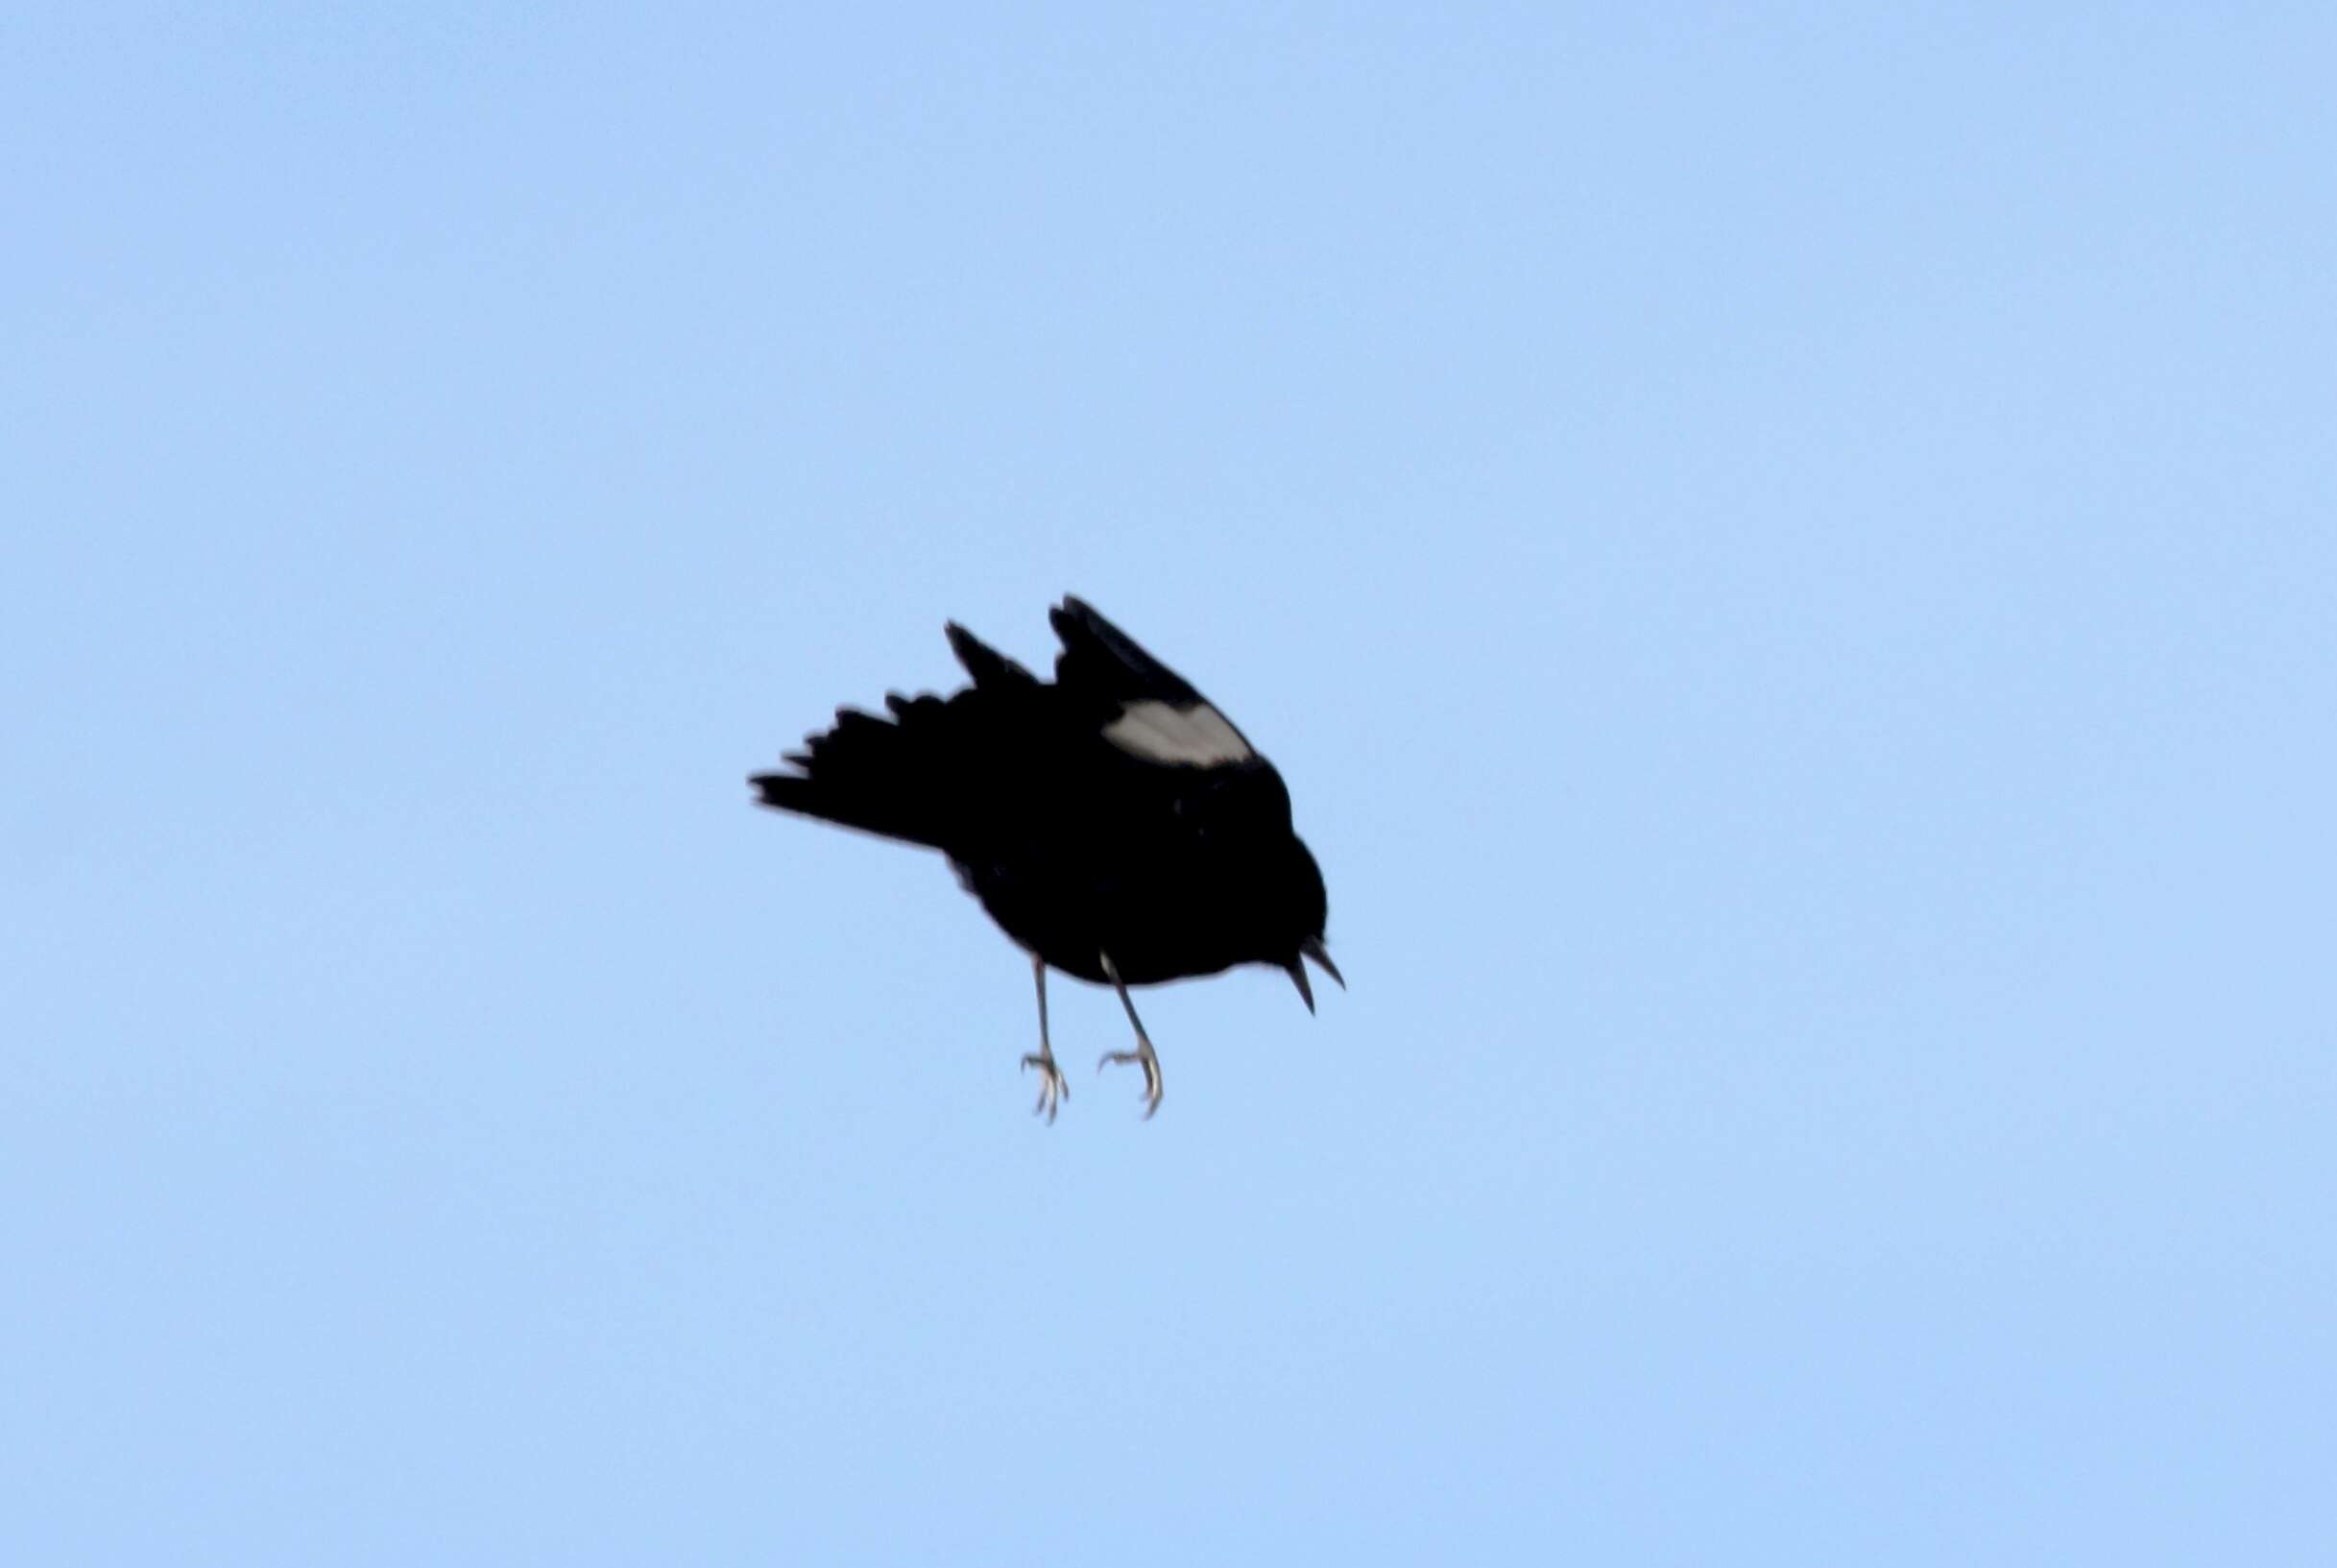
x,y
1053,1090
1150,1063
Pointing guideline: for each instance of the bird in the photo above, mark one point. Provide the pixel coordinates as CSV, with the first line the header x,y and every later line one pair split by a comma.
x,y
1114,823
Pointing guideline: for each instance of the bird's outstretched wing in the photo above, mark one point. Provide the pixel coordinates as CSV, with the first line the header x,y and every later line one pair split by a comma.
x,y
1141,706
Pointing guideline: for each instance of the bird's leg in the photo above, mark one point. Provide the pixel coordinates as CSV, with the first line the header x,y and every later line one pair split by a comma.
x,y
1143,1054
1053,1090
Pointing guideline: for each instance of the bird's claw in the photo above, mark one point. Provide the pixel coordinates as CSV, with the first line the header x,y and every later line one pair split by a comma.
x,y
1143,1056
1053,1090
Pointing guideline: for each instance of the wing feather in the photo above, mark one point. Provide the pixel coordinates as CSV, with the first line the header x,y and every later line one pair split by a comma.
x,y
1138,704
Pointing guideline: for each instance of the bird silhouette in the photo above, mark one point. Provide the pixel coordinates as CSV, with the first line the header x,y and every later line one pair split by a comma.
x,y
1115,823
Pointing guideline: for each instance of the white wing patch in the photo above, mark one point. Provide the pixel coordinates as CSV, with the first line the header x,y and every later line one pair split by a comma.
x,y
1195,737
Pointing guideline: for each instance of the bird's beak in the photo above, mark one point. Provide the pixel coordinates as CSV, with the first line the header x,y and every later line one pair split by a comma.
x,y
1298,977
1312,947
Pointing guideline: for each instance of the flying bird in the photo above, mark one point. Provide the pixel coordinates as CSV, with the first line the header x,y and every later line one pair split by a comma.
x,y
1113,822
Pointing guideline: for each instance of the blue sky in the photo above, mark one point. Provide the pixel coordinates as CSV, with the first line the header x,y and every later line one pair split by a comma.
x,y
1787,558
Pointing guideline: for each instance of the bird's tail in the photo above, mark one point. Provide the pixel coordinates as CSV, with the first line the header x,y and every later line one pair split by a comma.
x,y
902,777
883,776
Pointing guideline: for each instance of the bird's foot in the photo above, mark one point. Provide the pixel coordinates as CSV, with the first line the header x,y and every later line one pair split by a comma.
x,y
1053,1090
1143,1056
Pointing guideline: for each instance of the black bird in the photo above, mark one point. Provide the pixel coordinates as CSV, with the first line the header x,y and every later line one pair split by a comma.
x,y
1114,823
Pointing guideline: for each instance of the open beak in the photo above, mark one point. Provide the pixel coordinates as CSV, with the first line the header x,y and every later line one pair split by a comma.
x,y
1313,948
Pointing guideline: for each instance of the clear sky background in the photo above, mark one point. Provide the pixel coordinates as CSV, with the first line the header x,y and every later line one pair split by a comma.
x,y
1789,562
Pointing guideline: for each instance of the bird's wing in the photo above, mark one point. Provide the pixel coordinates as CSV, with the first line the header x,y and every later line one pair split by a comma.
x,y
1141,706
985,664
